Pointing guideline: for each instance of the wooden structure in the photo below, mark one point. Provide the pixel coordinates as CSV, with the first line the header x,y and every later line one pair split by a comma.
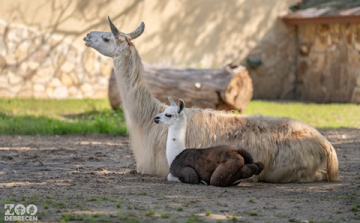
x,y
225,88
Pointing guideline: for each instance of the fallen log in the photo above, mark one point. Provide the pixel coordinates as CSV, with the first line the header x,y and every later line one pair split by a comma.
x,y
225,88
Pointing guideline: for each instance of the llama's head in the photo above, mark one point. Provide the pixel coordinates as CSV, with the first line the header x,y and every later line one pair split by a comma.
x,y
112,43
172,113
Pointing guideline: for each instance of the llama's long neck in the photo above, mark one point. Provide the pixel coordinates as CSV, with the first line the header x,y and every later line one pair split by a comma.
x,y
175,143
138,103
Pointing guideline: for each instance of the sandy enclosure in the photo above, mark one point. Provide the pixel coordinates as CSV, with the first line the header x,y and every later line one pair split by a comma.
x,y
93,178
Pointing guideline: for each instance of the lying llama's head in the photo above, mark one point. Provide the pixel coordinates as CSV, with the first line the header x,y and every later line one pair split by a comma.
x,y
112,43
172,113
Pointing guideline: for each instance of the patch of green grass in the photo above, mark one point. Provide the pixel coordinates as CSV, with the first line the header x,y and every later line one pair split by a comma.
x,y
207,213
232,218
348,196
127,217
316,115
150,213
164,215
93,116
193,219
71,217
355,207
143,193
179,209
58,117
253,214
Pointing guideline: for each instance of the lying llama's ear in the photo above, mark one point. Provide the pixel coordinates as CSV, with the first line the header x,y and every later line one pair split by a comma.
x,y
137,32
113,28
172,102
181,105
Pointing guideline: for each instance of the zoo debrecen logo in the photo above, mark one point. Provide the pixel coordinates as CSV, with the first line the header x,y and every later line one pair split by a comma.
x,y
20,213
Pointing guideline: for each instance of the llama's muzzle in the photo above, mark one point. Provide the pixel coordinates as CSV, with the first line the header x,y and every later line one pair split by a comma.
x,y
157,119
87,39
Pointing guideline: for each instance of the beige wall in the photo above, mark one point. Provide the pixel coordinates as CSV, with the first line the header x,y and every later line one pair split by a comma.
x,y
198,33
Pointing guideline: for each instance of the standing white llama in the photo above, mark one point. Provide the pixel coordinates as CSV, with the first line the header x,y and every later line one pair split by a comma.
x,y
218,166
290,150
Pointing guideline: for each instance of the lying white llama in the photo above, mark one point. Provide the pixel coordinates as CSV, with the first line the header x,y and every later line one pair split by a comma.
x,y
290,150
218,166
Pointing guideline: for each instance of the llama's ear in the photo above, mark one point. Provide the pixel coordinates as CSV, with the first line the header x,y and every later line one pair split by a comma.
x,y
172,102
137,32
113,28
181,105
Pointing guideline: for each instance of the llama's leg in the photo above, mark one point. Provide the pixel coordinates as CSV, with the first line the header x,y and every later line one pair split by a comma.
x,y
318,176
229,173
225,174
170,177
186,175
260,167
249,170
246,155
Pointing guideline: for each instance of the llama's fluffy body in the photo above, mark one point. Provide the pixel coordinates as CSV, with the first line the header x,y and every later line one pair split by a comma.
x,y
290,150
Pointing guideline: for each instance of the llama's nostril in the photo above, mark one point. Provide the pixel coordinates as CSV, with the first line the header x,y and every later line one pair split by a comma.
x,y
157,120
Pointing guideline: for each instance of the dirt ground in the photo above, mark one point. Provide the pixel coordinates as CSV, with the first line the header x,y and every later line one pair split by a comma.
x,y
92,178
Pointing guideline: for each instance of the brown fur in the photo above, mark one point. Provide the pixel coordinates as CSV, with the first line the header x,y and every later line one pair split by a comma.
x,y
218,166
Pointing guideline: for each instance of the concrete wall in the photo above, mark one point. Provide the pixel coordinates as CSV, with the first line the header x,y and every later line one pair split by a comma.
x,y
202,33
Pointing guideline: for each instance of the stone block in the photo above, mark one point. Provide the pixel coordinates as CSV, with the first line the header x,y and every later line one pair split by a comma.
x,y
320,44
324,29
61,92
335,39
6,94
302,68
41,78
317,62
25,93
2,61
86,89
21,51
14,79
50,92
305,49
67,66
88,61
101,94
105,69
66,80
73,92
54,82
334,28
39,88
307,33
4,80
32,65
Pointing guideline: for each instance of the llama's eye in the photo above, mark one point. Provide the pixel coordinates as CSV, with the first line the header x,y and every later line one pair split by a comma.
x,y
168,115
105,39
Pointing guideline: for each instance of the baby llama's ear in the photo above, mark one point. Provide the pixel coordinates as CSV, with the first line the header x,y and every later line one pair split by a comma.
x,y
181,105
